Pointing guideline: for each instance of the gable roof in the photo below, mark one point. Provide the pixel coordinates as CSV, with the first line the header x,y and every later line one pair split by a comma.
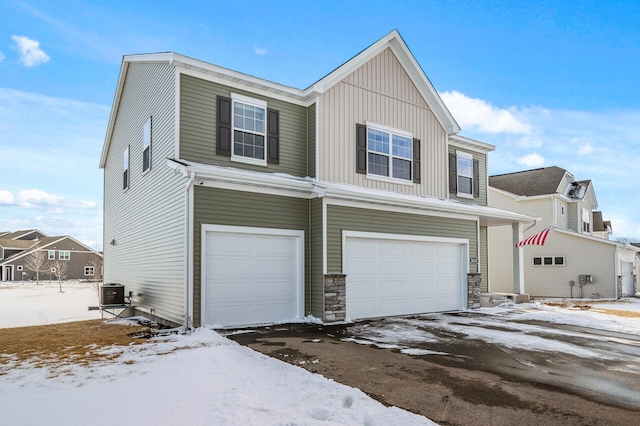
x,y
9,243
529,183
19,234
43,244
306,97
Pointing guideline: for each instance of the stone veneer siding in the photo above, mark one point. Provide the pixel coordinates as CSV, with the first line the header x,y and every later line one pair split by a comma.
x,y
473,284
335,297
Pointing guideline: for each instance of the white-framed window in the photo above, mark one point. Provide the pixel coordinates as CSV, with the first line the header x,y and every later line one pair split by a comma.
x,y
51,255
548,261
586,221
146,146
249,125
89,271
64,255
125,169
562,210
464,167
389,152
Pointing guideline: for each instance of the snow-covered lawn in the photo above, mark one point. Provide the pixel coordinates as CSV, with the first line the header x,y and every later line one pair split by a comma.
x,y
197,379
23,304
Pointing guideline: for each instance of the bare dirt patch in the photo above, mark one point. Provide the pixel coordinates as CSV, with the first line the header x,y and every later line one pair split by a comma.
x,y
79,342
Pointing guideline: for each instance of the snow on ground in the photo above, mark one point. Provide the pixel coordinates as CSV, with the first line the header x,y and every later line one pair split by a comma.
x,y
23,304
506,325
197,379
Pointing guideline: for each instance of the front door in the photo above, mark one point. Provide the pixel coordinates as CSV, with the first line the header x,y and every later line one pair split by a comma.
x,y
7,273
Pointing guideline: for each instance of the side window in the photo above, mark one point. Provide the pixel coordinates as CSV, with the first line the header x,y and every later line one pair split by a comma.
x,y
586,221
64,255
125,169
464,175
52,255
146,146
89,271
548,261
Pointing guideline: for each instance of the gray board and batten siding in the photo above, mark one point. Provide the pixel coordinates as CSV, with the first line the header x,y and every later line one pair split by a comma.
x,y
340,218
198,128
214,206
148,250
379,92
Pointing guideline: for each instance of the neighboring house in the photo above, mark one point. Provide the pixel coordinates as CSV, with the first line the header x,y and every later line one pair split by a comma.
x,y
16,247
232,200
577,245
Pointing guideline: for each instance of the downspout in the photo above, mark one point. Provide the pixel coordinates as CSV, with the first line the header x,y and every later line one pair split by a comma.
x,y
188,294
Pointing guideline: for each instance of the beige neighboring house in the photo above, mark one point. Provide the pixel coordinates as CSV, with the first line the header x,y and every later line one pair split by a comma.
x,y
578,259
15,248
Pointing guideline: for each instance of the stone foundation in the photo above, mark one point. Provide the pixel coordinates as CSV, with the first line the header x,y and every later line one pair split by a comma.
x,y
473,286
335,297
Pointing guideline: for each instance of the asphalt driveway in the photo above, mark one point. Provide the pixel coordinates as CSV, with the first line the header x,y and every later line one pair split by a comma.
x,y
471,368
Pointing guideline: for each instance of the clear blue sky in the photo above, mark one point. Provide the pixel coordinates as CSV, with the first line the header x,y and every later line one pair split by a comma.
x,y
547,82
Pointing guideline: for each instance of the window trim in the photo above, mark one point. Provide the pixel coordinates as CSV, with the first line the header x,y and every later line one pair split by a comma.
x,y
51,255
258,103
391,131
587,222
126,169
93,273
458,174
66,257
553,259
562,210
146,145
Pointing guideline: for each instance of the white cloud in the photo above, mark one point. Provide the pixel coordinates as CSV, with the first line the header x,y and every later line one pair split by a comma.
x,y
30,52
531,160
32,198
7,198
1,57
259,50
477,114
585,150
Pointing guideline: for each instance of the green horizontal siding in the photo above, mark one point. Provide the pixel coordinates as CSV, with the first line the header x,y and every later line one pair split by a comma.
x,y
198,112
317,278
233,208
352,219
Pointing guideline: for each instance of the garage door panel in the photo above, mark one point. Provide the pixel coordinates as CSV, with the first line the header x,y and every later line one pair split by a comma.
x,y
424,304
393,287
392,248
391,267
397,277
422,268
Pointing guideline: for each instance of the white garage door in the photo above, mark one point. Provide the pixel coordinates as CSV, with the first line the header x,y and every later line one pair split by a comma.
x,y
393,276
251,275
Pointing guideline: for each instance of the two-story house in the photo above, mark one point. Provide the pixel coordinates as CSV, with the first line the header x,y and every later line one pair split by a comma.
x,y
231,200
577,259
78,260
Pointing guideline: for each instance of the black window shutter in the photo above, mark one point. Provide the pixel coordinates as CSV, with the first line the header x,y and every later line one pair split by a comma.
x,y
361,148
416,160
273,136
476,178
223,143
453,173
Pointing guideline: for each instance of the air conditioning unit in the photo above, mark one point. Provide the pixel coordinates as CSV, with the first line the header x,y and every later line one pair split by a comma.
x,y
112,294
